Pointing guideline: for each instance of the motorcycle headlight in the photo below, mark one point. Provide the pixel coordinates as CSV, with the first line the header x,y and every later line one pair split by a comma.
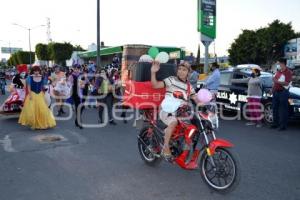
x,y
214,120
294,101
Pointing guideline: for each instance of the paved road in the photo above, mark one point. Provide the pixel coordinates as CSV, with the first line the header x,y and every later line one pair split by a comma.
x,y
103,163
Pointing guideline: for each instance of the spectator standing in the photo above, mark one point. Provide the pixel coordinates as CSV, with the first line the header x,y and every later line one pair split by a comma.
x,y
194,77
282,81
105,91
255,92
212,83
75,91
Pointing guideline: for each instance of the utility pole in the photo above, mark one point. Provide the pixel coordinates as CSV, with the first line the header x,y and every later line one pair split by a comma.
x,y
98,35
29,29
49,39
29,39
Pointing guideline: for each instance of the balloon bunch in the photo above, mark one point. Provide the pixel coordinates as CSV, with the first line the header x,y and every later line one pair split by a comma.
x,y
154,54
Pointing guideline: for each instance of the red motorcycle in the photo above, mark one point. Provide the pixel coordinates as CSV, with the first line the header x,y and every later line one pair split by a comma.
x,y
193,146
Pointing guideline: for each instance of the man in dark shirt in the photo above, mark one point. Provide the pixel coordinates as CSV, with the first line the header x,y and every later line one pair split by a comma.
x,y
74,80
282,81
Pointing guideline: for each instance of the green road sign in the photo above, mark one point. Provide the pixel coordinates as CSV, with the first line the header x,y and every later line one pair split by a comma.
x,y
207,18
10,50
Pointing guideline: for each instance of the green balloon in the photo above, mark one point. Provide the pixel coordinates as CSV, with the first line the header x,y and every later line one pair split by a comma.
x,y
153,51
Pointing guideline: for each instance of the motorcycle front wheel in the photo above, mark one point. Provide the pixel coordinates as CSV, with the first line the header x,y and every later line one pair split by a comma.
x,y
225,175
146,146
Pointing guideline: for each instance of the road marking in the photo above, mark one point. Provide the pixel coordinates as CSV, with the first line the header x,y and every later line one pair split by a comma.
x,y
7,144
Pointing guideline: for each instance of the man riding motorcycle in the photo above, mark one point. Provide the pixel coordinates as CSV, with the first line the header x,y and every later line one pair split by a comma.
x,y
172,84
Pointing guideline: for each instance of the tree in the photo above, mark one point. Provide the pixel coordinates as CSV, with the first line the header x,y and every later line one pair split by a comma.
x,y
244,48
12,61
60,52
41,51
78,48
23,57
262,46
275,37
3,65
9,61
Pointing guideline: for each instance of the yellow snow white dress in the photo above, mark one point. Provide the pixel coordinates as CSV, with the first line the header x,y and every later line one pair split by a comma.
x,y
35,112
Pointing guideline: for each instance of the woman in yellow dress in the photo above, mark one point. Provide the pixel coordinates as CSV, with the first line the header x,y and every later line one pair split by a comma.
x,y
35,112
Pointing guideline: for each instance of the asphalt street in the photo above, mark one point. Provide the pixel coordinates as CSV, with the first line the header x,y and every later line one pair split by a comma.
x,y
104,163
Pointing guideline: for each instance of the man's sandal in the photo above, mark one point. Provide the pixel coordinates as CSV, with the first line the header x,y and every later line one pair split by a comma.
x,y
167,156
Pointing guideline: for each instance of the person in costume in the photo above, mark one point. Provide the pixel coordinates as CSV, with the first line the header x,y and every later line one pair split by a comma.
x,y
35,112
58,79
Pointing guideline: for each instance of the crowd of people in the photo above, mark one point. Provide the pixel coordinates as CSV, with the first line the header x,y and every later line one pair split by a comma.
x,y
79,86
84,85
280,92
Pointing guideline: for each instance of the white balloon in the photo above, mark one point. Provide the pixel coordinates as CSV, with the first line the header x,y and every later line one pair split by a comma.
x,y
162,57
145,58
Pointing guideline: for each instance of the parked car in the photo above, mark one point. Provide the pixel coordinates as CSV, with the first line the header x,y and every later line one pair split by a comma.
x,y
296,76
233,96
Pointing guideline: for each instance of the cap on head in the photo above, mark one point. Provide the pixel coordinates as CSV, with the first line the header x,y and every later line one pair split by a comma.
x,y
186,65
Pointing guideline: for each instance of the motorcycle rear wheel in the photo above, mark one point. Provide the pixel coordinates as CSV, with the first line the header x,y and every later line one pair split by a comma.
x,y
226,175
144,148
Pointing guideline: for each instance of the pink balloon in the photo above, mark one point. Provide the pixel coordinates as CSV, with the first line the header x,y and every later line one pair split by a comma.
x,y
204,96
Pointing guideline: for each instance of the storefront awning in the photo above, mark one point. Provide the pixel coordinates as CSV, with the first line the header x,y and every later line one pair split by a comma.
x,y
103,52
174,52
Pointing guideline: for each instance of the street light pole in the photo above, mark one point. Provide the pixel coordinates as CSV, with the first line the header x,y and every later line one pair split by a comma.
x,y
29,38
29,48
98,35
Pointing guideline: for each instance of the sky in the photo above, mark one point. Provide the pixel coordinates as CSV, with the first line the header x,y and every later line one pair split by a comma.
x,y
155,22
